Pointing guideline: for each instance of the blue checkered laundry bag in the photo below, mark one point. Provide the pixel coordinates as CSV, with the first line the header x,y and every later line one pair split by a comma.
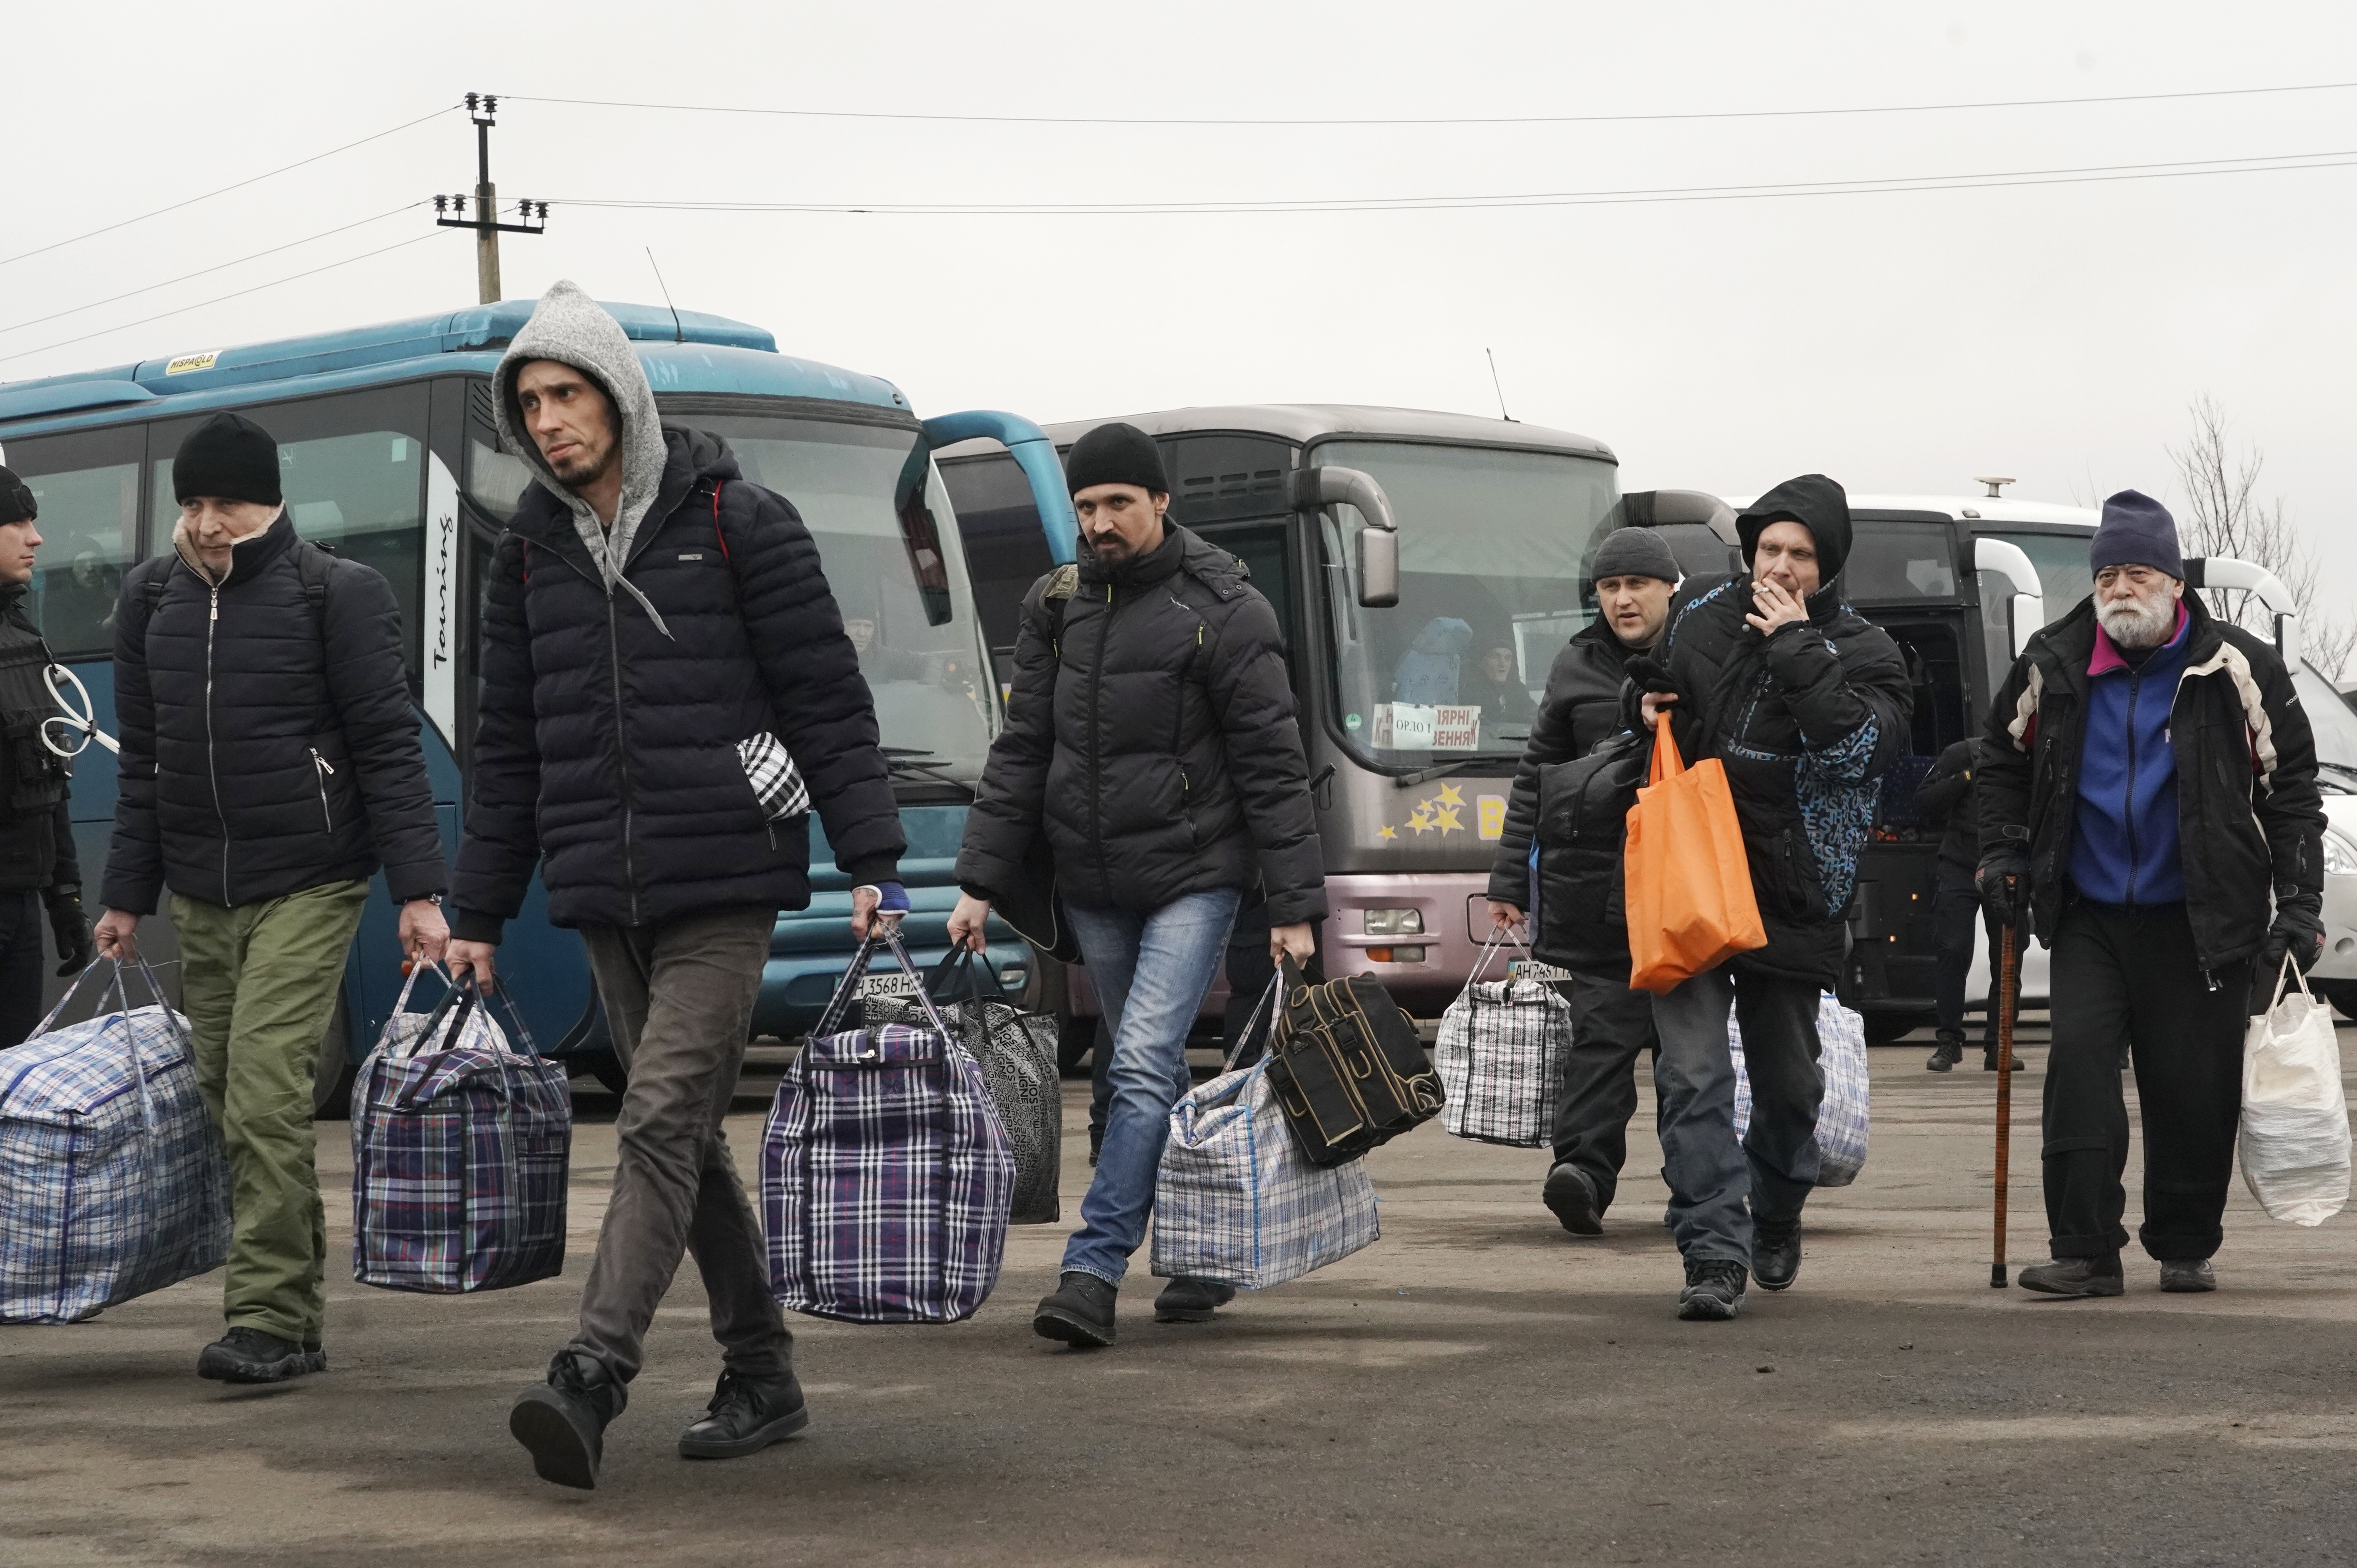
x,y
459,1146
1235,1200
113,1180
1842,1118
885,1173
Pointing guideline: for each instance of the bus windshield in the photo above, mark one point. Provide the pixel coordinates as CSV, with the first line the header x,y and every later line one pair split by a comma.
x,y
889,543
1490,549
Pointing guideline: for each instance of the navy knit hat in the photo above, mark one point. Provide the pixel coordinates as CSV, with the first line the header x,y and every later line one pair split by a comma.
x,y
1634,552
231,458
2136,530
1115,454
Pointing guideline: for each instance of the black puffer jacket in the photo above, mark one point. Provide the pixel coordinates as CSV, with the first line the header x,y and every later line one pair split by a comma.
x,y
1582,707
1948,795
2250,820
610,748
1156,744
37,847
259,758
1805,722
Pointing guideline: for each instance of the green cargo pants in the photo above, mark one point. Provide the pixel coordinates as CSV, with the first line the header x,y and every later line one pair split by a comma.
x,y
258,983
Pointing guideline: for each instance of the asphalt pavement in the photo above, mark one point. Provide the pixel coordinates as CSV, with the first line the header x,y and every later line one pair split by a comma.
x,y
1476,1388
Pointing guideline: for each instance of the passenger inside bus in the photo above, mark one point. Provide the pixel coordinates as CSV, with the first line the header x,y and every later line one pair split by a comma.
x,y
1497,686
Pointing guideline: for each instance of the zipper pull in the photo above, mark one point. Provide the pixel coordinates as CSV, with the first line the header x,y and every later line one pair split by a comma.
x,y
2210,979
322,761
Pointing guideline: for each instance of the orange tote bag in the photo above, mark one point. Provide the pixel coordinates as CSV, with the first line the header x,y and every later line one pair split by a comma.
x,y
1689,884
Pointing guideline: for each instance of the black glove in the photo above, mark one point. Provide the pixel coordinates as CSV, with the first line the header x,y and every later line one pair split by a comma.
x,y
2297,933
2003,879
72,931
1646,673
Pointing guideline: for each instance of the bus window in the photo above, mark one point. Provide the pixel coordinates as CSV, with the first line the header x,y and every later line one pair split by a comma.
x,y
1004,548
1261,546
87,486
2061,563
352,468
1934,653
1490,546
495,479
1893,562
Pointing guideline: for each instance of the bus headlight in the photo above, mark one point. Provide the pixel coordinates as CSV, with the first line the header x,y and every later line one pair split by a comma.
x,y
2340,856
1406,922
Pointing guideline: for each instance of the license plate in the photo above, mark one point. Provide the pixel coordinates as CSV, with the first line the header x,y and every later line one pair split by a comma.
x,y
1532,969
887,985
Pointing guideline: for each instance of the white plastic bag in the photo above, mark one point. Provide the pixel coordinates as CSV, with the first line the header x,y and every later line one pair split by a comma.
x,y
2295,1145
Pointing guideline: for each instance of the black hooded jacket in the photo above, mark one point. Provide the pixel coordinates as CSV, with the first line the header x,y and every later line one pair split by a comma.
x,y
37,847
609,748
268,744
1154,743
1804,721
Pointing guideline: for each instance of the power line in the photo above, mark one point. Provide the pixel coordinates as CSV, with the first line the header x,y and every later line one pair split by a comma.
x,y
2088,175
224,190
257,288
203,271
1448,119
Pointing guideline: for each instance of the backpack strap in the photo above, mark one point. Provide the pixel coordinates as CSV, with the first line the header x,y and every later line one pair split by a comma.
x,y
312,564
1062,584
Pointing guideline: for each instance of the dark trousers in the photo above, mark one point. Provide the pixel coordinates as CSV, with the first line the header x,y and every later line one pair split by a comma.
x,y
21,923
678,998
1612,1026
1955,911
2129,980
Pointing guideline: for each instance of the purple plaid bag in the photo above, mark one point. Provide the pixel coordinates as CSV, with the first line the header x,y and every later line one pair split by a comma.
x,y
886,1174
459,1152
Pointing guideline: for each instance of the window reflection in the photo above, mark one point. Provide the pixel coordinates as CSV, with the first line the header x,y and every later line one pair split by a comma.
x,y
88,515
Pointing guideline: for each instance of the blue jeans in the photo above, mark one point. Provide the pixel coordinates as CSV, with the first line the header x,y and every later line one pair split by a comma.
x,y
1717,1187
1151,972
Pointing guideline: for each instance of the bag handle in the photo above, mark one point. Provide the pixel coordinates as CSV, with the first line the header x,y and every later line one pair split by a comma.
x,y
2285,976
1498,938
958,964
887,933
1267,999
1666,762
88,970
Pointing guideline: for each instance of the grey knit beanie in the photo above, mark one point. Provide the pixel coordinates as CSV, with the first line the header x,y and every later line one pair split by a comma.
x,y
1634,552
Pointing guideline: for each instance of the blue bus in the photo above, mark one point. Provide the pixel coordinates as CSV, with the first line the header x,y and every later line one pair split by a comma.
x,y
390,456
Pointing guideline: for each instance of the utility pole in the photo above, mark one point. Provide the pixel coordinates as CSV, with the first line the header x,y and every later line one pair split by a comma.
x,y
485,107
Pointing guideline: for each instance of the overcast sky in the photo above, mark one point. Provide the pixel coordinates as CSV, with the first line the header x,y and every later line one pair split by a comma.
x,y
1897,341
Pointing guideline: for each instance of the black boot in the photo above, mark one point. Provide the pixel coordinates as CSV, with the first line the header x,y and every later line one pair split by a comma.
x,y
1572,1200
1191,1300
1079,1312
1775,1253
1945,1056
1988,1059
252,1356
2076,1277
563,1420
1714,1290
747,1414
2188,1276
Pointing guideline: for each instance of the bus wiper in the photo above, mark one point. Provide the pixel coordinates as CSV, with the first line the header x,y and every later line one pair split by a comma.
x,y
911,761
1465,765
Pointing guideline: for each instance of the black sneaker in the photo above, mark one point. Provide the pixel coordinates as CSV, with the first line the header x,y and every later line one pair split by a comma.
x,y
1079,1312
1775,1253
746,1415
563,1420
1190,1301
251,1355
1945,1056
1572,1200
2076,1277
1714,1290
2187,1276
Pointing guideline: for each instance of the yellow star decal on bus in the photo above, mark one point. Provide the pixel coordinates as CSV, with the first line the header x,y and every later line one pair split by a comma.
x,y
1451,795
1446,821
1387,833
1420,823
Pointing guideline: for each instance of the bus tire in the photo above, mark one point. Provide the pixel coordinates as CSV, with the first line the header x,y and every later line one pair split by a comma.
x,y
332,1079
1884,1028
2342,993
607,1070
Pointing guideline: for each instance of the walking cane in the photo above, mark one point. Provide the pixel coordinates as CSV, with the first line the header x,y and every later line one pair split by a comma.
x,y
2006,980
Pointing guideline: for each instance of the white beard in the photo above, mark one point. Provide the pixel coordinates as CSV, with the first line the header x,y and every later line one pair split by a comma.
x,y
2135,625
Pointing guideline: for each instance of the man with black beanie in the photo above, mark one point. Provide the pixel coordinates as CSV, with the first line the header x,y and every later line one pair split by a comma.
x,y
1150,738
1582,928
38,866
270,766
1805,704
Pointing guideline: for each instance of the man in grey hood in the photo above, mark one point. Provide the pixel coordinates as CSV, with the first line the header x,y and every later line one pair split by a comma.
x,y
658,629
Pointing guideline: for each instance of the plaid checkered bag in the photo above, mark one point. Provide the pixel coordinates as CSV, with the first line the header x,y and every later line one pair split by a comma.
x,y
460,1147
777,783
113,1179
1841,1116
886,1174
1500,1056
1235,1200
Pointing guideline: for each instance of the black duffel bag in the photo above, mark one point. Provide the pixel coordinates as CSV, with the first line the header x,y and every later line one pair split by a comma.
x,y
1348,1071
1580,915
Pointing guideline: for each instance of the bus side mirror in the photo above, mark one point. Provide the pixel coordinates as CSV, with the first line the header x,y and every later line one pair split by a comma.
x,y
1310,489
2288,639
2025,614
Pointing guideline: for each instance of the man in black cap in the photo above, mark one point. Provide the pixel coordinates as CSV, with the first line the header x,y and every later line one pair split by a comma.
x,y
1150,737
2148,806
1805,704
1634,574
1948,794
269,767
37,849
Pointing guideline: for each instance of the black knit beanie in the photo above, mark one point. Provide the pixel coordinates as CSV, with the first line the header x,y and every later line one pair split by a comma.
x,y
231,458
16,503
1115,454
